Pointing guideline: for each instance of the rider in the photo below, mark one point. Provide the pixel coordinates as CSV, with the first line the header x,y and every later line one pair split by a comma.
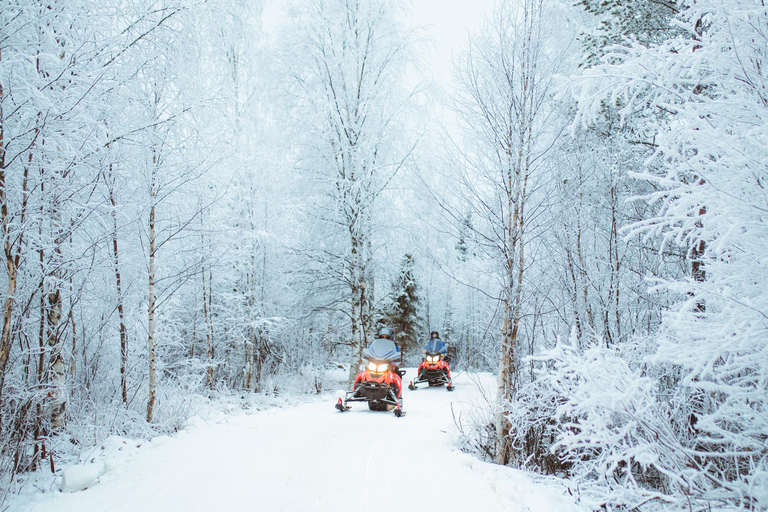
x,y
435,336
387,333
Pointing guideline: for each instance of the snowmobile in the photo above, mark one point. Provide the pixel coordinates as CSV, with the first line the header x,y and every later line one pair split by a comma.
x,y
434,369
380,383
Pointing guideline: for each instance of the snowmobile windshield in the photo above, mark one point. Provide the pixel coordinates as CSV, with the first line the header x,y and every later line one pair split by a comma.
x,y
382,349
435,346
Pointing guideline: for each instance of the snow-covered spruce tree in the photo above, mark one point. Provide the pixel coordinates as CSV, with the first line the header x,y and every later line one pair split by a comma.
x,y
711,85
403,312
347,61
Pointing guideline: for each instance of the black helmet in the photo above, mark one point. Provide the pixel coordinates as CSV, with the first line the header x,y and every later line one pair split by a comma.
x,y
434,334
386,332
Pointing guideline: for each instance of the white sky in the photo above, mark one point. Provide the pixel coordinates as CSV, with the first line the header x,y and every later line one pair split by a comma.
x,y
446,22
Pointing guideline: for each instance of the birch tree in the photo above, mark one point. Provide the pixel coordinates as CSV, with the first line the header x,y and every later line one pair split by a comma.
x,y
161,135
349,60
506,76
49,86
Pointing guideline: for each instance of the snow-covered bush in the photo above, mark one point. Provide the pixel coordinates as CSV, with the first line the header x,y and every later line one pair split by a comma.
x,y
631,433
476,426
614,431
534,426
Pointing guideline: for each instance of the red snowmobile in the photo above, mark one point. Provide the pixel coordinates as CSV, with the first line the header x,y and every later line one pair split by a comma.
x,y
434,369
381,382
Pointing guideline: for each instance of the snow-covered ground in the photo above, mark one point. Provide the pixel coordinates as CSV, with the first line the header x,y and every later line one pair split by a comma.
x,y
305,458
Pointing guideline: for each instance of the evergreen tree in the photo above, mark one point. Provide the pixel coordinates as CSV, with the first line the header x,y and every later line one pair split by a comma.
x,y
403,312
619,20
465,234
447,331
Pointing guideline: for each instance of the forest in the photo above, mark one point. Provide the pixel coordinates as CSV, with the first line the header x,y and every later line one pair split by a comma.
x,y
194,208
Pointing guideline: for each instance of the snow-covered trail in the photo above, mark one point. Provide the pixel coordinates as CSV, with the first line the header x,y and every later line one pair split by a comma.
x,y
314,458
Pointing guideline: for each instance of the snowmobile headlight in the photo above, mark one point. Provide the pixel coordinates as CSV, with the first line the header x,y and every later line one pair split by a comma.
x,y
377,368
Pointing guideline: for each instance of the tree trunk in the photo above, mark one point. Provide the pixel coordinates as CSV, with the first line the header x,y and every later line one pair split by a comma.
x,y
519,136
39,431
368,289
119,287
697,255
260,357
504,393
249,360
574,292
11,259
208,330
357,349
584,278
151,315
505,381
252,351
357,288
57,366
11,266
615,266
73,359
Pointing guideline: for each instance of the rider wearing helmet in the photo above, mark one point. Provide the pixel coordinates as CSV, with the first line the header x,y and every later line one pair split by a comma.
x,y
434,368
389,334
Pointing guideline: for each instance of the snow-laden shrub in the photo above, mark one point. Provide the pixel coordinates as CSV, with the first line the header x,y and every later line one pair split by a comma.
x,y
476,424
534,427
613,430
629,436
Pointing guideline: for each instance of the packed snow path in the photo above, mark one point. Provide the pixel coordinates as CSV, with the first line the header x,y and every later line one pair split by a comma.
x,y
314,458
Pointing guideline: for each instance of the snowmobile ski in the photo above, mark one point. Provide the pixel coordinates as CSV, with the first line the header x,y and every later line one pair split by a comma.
x,y
341,407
